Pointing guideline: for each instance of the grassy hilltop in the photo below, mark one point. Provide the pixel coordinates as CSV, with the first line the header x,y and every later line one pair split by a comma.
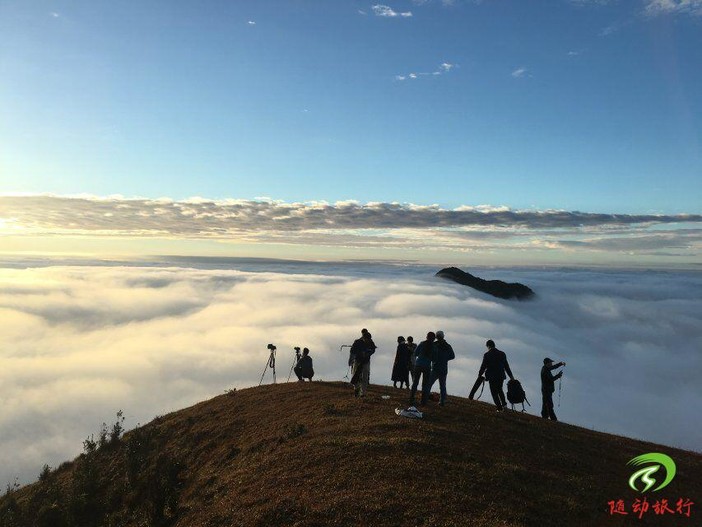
x,y
312,455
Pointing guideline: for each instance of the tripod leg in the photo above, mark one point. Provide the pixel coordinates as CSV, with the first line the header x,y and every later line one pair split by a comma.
x,y
264,372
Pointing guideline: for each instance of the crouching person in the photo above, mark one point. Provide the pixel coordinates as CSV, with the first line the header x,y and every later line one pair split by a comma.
x,y
303,368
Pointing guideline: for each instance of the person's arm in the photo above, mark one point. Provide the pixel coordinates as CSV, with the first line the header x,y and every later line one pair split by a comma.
x,y
554,366
507,369
451,354
483,367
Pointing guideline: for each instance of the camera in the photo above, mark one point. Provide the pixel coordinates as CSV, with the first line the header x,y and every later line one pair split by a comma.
x,y
297,348
271,347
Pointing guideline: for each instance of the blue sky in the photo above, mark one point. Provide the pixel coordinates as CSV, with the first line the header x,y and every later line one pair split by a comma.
x,y
321,130
187,99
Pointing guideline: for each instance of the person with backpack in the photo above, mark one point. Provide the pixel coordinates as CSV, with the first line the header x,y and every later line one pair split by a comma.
x,y
548,386
303,368
494,367
400,368
422,368
443,353
361,352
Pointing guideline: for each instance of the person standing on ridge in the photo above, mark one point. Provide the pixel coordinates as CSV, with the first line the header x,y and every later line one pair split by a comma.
x,y
443,353
361,351
412,347
303,368
422,368
548,381
494,367
400,368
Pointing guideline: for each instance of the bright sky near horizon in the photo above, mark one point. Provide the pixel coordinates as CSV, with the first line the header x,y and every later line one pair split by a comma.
x,y
592,106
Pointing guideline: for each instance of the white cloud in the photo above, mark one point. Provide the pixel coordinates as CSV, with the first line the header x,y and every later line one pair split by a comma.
x,y
54,14
79,342
387,11
609,30
519,72
350,225
658,7
251,23
200,217
442,69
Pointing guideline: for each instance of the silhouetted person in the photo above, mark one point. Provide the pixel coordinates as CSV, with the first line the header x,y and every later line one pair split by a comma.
x,y
412,348
400,368
494,367
443,353
361,351
422,368
548,386
303,368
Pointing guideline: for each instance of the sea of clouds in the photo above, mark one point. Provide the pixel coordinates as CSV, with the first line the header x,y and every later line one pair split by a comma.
x,y
81,340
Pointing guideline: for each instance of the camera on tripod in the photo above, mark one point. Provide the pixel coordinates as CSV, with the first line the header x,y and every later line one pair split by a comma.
x,y
271,347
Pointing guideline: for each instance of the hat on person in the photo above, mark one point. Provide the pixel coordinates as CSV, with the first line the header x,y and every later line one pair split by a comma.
x,y
439,334
547,360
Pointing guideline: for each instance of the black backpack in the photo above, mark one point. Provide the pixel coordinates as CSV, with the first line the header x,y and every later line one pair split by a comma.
x,y
516,394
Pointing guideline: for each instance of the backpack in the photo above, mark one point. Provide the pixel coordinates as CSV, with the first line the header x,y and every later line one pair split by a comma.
x,y
516,394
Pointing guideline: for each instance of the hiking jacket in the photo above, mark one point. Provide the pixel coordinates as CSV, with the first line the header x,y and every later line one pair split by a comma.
x,y
423,354
548,379
361,351
304,367
443,353
495,365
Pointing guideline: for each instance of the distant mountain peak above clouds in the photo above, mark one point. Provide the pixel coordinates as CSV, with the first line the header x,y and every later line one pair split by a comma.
x,y
496,288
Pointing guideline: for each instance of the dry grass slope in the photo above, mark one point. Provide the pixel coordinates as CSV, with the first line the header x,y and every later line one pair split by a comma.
x,y
312,455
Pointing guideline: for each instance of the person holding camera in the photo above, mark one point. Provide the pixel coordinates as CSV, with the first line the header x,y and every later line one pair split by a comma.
x,y
548,382
303,368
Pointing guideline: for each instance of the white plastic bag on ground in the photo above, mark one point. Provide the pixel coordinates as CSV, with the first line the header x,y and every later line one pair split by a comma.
x,y
410,412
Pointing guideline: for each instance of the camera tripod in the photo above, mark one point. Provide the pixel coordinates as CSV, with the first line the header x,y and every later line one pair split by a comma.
x,y
297,359
270,363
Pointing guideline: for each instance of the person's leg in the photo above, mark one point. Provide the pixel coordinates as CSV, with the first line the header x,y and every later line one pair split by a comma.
x,y
356,378
415,383
544,405
495,387
442,386
426,384
551,413
298,372
365,378
501,391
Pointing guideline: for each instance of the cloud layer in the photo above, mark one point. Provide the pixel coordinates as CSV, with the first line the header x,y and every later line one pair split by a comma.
x,y
569,236
80,342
